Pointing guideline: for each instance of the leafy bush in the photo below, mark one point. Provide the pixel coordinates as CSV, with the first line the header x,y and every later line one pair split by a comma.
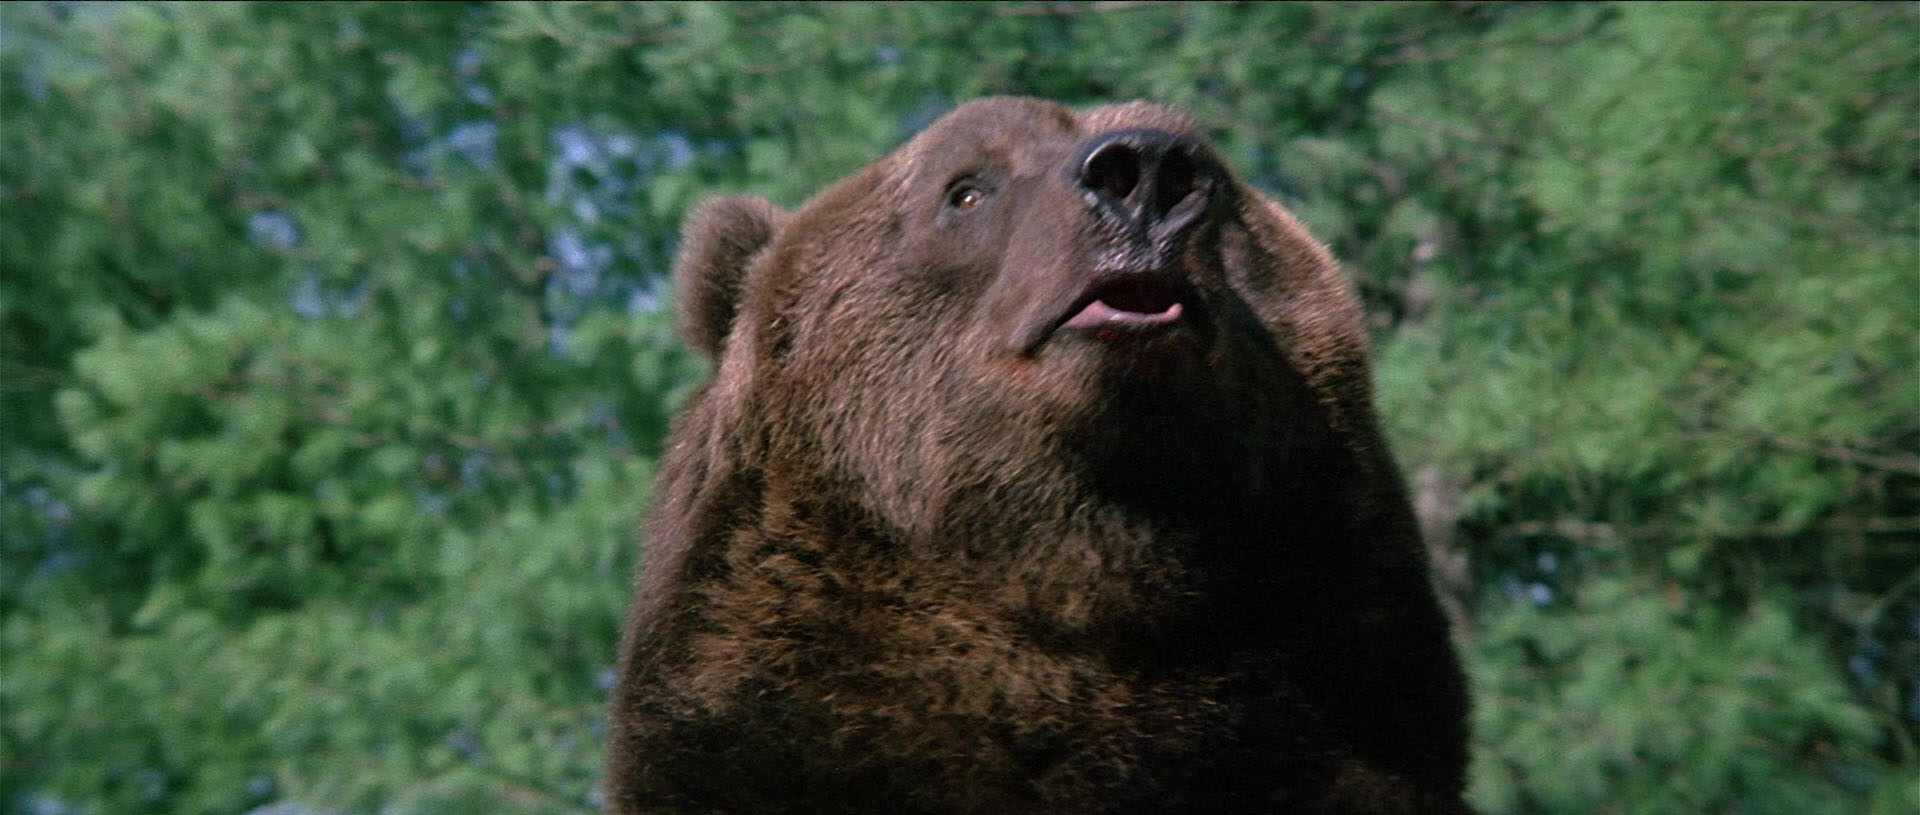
x,y
334,361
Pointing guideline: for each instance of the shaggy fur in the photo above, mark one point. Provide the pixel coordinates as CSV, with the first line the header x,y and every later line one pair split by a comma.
x,y
920,547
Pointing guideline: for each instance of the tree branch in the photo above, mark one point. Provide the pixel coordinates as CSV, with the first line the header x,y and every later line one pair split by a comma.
x,y
1892,464
1597,531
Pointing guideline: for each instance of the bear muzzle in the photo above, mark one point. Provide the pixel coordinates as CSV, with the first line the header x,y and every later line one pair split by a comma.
x,y
1148,194
1154,186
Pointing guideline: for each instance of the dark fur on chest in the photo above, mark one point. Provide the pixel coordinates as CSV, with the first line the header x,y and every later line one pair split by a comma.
x,y
1114,668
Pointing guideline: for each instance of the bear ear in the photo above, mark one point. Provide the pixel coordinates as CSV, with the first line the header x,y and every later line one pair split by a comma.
x,y
721,239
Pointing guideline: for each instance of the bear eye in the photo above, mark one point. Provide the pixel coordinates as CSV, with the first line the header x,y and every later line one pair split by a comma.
x,y
965,197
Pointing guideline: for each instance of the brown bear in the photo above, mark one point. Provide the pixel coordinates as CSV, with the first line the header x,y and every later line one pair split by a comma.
x,y
1038,473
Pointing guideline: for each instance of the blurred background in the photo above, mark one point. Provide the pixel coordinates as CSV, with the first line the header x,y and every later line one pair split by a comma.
x,y
336,354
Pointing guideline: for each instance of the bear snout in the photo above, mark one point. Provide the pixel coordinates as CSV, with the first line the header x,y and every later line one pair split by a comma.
x,y
1150,183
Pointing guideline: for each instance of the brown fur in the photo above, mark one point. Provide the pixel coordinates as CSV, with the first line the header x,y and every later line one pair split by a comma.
x,y
913,553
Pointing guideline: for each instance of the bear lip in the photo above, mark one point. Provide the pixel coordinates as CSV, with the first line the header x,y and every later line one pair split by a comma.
x,y
1135,305
1131,303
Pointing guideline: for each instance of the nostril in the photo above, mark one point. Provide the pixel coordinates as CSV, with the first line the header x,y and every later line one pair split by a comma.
x,y
1147,179
1113,170
1175,181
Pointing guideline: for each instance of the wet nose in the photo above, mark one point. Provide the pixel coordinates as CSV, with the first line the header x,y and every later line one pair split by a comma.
x,y
1148,179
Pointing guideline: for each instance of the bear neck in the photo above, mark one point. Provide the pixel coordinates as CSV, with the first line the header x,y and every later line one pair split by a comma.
x,y
1087,571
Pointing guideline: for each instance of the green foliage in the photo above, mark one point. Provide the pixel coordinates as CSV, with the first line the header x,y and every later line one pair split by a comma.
x,y
333,363
1621,701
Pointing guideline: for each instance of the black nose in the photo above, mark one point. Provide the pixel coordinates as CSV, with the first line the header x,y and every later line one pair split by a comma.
x,y
1148,179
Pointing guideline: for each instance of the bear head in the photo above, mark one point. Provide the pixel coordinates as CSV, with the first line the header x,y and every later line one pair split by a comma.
x,y
1025,299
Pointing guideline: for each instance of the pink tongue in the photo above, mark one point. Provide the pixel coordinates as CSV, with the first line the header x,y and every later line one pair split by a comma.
x,y
1099,314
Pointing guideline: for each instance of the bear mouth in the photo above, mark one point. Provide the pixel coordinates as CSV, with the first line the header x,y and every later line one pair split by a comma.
x,y
1129,305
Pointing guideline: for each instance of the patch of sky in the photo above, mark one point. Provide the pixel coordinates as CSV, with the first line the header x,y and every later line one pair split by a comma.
x,y
929,107
1863,662
260,785
349,32
31,71
473,139
53,510
152,783
465,742
475,142
51,533
431,502
413,129
471,288
41,804
473,468
648,297
466,65
582,265
48,56
313,299
418,160
274,229
1527,591
289,808
597,180
327,490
